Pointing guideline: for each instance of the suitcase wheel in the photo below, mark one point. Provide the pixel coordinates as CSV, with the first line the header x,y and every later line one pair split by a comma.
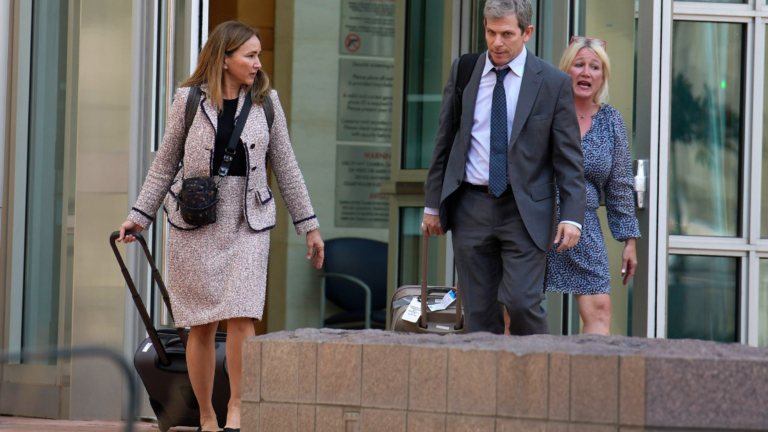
x,y
162,425
163,422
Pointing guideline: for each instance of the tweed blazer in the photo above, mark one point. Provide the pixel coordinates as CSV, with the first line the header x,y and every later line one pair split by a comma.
x,y
164,178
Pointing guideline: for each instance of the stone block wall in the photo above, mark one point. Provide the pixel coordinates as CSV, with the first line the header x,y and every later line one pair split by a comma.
x,y
370,381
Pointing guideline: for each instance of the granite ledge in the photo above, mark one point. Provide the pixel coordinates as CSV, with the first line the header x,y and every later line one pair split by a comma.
x,y
575,345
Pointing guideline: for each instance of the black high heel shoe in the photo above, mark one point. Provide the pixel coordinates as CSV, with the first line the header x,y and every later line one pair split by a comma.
x,y
226,429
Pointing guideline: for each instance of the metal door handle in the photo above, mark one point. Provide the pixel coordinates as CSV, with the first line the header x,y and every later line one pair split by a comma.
x,y
641,183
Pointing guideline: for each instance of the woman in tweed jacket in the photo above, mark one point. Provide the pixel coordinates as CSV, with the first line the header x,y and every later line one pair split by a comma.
x,y
218,271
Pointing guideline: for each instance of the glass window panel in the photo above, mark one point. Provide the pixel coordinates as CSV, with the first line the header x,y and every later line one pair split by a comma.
x,y
181,59
45,170
162,43
182,43
706,129
411,238
702,298
762,308
424,81
614,22
764,190
478,44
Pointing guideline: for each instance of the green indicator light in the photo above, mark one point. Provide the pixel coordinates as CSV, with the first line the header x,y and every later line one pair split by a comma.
x,y
722,84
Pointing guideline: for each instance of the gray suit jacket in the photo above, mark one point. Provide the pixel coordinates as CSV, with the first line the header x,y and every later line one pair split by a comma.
x,y
544,149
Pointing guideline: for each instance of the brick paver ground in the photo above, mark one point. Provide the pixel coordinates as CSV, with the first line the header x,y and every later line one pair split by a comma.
x,y
8,424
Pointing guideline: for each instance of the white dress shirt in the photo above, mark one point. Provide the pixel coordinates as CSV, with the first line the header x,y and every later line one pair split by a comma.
x,y
476,170
479,154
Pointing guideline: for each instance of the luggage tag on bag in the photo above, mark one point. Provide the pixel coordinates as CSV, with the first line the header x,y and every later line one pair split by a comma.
x,y
413,313
402,302
444,303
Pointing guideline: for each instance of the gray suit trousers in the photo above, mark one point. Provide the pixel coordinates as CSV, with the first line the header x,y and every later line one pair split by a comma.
x,y
498,263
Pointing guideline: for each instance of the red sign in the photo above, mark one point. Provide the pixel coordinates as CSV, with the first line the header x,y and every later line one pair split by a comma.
x,y
352,42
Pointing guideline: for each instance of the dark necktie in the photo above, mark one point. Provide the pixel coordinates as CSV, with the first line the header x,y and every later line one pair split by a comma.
x,y
497,167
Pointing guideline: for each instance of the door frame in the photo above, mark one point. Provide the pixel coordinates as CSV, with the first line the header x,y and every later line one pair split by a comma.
x,y
748,246
406,186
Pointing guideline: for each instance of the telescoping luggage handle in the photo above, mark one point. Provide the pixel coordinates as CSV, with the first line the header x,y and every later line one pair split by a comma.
x,y
424,262
137,298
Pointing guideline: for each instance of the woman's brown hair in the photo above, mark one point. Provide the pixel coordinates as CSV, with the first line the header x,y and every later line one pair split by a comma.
x,y
224,40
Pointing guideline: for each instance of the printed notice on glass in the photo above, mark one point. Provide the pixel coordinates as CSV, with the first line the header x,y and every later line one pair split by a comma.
x,y
359,173
368,28
365,100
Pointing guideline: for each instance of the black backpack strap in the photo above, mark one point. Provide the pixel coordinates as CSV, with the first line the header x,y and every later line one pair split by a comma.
x,y
466,66
269,111
190,110
193,100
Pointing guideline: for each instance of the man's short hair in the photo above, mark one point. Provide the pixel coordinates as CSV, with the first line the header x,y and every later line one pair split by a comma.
x,y
499,9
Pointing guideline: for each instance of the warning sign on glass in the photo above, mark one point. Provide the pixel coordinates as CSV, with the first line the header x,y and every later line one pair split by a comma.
x,y
368,28
360,169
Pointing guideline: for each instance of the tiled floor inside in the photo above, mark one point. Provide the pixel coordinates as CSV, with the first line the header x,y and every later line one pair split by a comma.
x,y
8,424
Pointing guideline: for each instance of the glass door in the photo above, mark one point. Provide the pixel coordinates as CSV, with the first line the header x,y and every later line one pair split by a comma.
x,y
627,26
713,131
617,23
180,33
39,241
428,44
425,46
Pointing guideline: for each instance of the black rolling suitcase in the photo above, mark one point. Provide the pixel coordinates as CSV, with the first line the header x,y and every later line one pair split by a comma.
x,y
161,361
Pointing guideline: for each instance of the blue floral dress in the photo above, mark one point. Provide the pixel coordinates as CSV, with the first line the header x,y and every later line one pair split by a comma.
x,y
583,269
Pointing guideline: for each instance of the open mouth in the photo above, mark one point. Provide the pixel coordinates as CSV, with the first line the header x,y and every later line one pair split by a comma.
x,y
584,85
252,75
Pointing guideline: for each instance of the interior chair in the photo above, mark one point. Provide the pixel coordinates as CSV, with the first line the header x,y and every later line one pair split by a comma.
x,y
356,281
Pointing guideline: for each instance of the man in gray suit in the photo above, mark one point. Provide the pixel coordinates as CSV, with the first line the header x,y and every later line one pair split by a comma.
x,y
492,181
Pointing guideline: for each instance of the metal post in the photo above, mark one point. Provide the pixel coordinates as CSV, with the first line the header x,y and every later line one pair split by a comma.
x,y
170,41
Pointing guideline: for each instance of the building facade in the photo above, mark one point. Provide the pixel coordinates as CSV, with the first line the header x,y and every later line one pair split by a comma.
x,y
85,86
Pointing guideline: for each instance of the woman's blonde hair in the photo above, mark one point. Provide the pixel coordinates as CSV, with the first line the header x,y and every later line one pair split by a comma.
x,y
224,40
566,61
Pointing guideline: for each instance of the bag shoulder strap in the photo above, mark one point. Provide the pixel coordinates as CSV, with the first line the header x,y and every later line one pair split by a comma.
x,y
229,152
193,100
269,111
466,66
190,110
463,75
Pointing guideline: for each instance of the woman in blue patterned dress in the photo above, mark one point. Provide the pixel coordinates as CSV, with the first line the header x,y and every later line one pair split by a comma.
x,y
583,269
